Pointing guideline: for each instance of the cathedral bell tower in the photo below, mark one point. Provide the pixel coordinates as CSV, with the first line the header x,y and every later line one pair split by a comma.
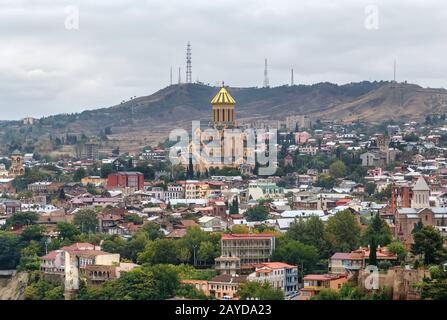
x,y
223,110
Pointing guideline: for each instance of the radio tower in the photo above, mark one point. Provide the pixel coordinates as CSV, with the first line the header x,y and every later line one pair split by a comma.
x,y
179,76
291,78
266,77
188,64
170,77
395,69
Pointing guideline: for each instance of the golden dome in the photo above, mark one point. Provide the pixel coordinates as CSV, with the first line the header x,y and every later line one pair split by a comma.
x,y
223,97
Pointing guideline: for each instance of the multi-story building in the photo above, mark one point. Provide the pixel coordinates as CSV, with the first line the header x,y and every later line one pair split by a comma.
x,y
97,181
90,151
174,191
132,180
264,189
241,252
314,283
349,262
280,275
225,286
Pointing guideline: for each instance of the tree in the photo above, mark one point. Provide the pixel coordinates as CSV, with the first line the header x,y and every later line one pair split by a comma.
x,y
207,252
337,169
24,218
67,230
234,207
240,228
377,233
398,248
326,181
372,259
62,195
107,169
29,260
259,290
159,251
86,220
79,174
436,287
311,232
326,294
134,218
428,241
166,280
256,213
151,231
344,231
143,283
41,289
296,253
370,188
194,238
9,250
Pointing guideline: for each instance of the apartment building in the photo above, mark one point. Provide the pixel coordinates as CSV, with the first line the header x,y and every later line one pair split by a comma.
x,y
280,275
241,252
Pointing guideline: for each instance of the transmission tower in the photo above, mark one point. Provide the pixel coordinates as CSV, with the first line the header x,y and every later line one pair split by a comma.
x,y
188,64
291,78
266,77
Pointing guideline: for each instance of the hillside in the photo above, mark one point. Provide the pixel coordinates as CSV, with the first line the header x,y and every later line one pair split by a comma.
x,y
148,119
392,101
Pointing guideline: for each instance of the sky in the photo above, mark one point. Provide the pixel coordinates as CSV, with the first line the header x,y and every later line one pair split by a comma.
x,y
68,56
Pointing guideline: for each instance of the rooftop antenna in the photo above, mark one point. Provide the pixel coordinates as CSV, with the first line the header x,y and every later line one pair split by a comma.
x,y
266,77
170,77
291,78
179,76
188,64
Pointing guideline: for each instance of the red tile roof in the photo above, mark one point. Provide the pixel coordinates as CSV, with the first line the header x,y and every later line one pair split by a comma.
x,y
324,277
276,265
78,246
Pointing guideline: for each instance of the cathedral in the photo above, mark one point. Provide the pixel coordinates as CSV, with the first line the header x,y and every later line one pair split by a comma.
x,y
222,143
17,167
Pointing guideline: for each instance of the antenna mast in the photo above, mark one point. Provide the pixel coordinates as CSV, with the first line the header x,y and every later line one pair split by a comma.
x,y
395,69
188,64
170,77
266,77
291,78
179,76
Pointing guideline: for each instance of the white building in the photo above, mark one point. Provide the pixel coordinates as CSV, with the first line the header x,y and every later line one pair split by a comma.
x,y
280,275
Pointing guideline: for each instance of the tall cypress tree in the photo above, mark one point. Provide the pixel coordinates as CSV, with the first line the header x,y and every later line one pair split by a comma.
x,y
190,170
373,252
236,205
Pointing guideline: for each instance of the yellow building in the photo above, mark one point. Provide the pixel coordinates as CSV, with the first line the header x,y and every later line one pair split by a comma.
x,y
226,146
17,168
94,180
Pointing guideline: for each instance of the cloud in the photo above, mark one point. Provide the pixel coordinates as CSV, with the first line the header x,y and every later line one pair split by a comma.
x,y
126,48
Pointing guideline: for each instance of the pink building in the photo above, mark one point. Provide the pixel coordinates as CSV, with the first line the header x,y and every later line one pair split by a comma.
x,y
301,137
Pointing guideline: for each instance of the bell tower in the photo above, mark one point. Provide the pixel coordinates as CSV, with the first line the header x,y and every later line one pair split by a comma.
x,y
17,168
223,109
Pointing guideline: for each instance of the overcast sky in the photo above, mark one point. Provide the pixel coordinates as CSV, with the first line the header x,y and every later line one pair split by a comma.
x,y
51,64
